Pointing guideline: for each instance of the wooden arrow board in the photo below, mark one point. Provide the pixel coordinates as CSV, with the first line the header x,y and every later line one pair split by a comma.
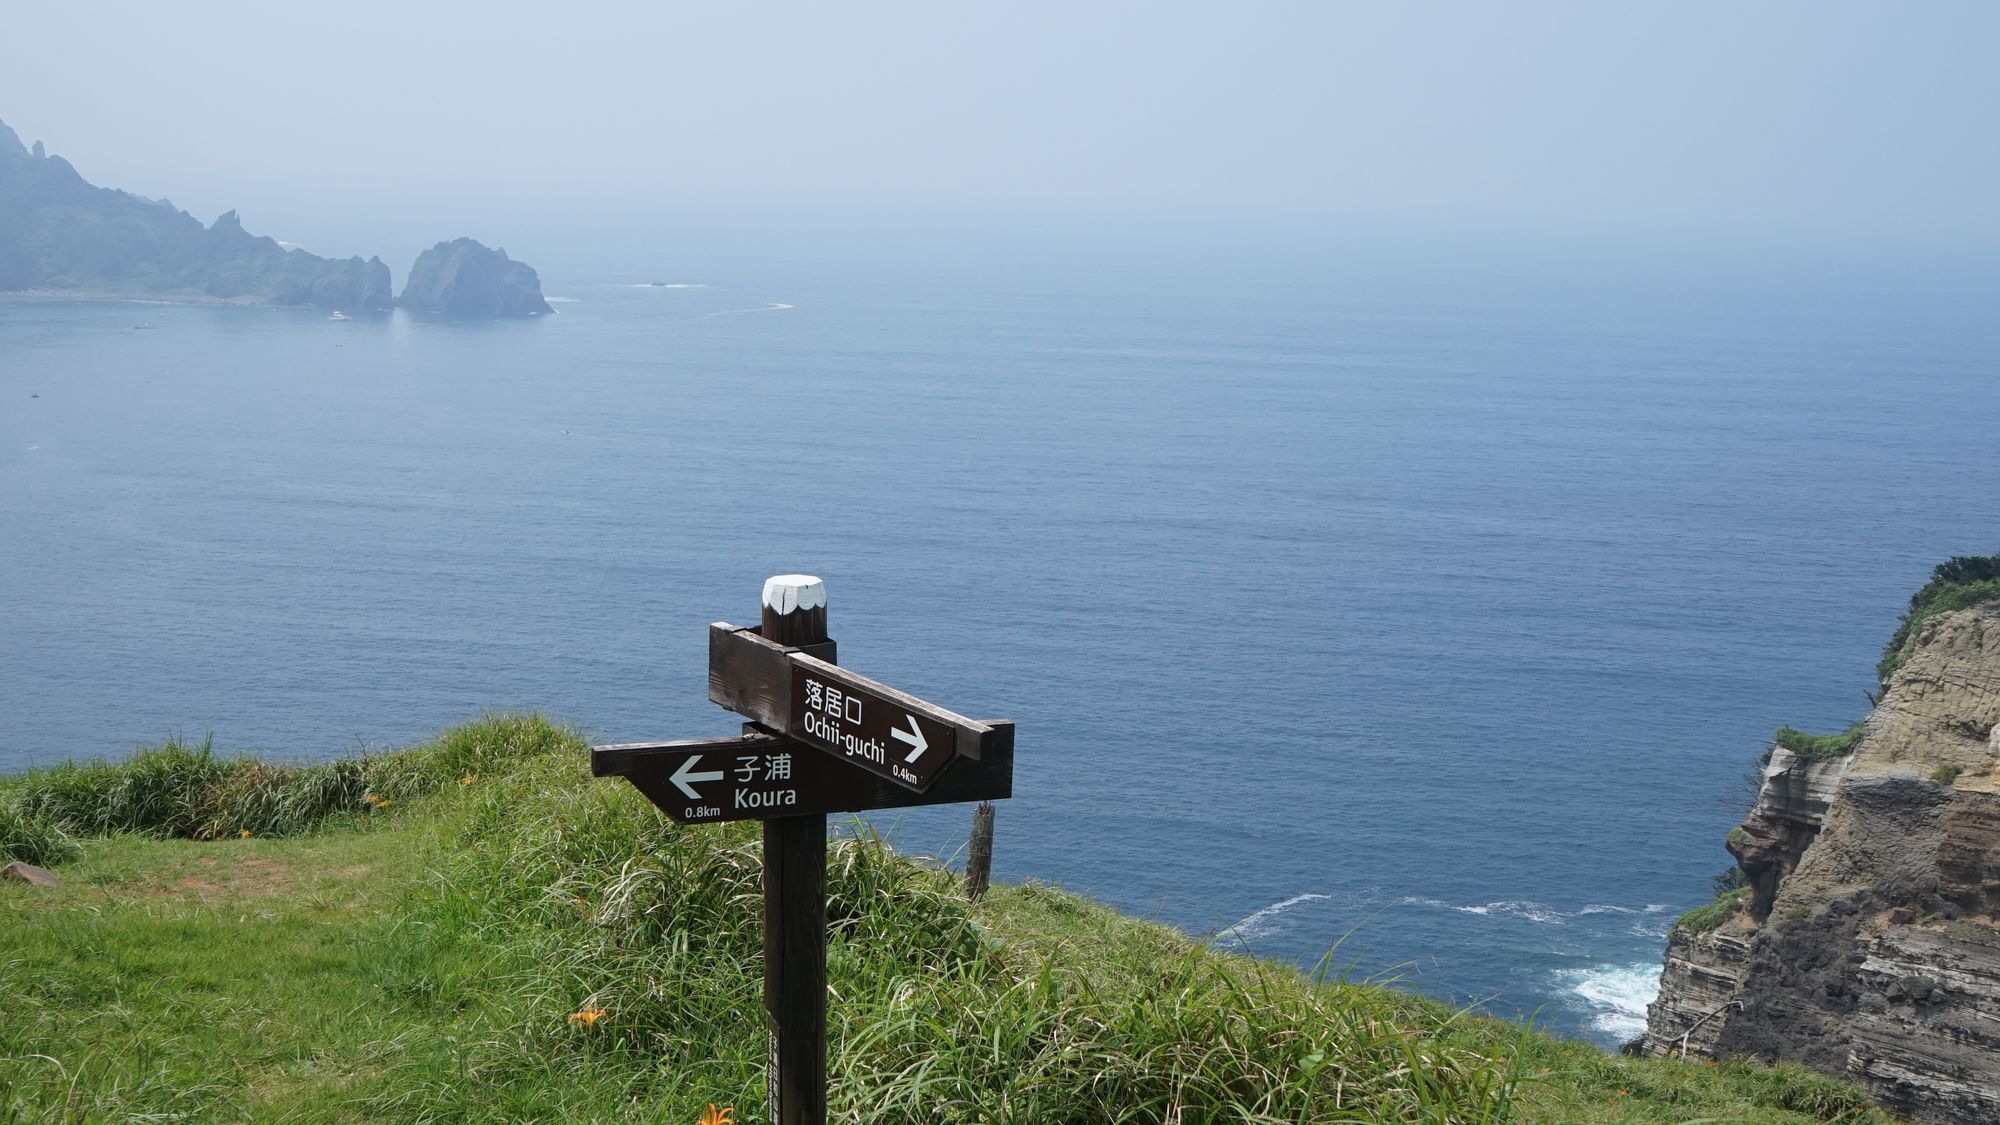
x,y
759,776
888,733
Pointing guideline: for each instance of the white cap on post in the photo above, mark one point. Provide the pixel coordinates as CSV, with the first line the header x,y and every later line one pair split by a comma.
x,y
789,593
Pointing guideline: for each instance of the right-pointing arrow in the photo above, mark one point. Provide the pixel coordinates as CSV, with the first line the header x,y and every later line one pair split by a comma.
x,y
683,776
913,738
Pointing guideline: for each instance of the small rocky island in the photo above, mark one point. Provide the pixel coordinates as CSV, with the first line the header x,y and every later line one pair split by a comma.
x,y
60,235
463,279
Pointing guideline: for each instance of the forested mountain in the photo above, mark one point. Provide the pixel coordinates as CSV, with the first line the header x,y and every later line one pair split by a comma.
x,y
59,232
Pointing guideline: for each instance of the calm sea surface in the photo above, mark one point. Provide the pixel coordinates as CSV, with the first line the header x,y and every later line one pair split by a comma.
x,y
1440,607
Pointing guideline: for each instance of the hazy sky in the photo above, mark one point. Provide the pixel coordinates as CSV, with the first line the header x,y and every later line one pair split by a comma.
x,y
1810,117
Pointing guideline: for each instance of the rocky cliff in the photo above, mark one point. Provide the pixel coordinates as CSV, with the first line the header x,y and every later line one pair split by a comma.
x,y
462,278
1866,944
59,232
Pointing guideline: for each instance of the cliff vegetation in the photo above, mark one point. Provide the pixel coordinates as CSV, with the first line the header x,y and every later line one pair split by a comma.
x,y
475,929
1957,583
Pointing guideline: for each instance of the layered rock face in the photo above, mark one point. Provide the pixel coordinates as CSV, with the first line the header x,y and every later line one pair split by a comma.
x,y
59,232
1869,947
1791,804
462,278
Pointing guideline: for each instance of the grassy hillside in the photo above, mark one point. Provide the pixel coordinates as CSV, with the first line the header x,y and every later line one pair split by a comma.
x,y
474,929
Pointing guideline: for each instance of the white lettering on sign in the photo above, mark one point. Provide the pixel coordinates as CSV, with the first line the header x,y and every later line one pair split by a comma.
x,y
844,706
757,799
854,746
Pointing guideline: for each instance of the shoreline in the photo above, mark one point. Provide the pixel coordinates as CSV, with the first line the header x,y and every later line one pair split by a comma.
x,y
96,296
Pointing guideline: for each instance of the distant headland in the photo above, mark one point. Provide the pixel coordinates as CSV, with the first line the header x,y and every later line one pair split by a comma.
x,y
62,236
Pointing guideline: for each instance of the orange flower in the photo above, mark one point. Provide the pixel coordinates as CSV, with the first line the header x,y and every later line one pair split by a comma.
x,y
588,1017
714,1116
245,835
466,780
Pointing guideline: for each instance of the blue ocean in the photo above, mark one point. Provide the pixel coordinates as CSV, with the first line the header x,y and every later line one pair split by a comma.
x,y
1421,608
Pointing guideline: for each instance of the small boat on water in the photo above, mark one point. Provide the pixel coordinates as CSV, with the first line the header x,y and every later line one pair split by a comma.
x,y
338,315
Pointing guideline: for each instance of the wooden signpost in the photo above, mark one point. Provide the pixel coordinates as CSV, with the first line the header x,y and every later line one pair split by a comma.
x,y
821,740
757,776
787,688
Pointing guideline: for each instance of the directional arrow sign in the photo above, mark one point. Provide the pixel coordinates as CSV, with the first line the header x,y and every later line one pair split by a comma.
x,y
892,735
760,775
868,725
684,776
913,738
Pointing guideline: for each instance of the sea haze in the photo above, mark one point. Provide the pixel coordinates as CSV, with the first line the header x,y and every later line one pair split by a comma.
x,y
1422,609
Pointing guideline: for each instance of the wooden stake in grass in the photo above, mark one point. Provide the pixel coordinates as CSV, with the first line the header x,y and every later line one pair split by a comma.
x,y
795,902
979,856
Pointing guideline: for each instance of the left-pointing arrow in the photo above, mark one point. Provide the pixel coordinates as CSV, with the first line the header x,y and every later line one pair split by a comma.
x,y
684,775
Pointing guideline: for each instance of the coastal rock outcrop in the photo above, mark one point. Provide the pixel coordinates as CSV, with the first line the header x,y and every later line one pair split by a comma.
x,y
60,233
1868,946
1792,799
462,278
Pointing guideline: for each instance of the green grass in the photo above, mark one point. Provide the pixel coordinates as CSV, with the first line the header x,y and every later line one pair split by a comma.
x,y
32,839
423,962
1957,583
1815,747
1702,919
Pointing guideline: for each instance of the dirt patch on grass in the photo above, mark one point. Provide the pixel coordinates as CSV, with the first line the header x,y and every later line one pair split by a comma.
x,y
250,875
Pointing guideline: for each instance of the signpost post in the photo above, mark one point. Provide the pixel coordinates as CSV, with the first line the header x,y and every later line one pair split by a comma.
x,y
795,902
822,740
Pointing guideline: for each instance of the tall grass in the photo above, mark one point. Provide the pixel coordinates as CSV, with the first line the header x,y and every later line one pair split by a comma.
x,y
600,905
181,789
32,839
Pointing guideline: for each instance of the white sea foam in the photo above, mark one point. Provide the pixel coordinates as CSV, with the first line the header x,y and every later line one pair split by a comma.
x,y
672,285
774,306
1258,924
562,300
1532,911
1615,995
1543,914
